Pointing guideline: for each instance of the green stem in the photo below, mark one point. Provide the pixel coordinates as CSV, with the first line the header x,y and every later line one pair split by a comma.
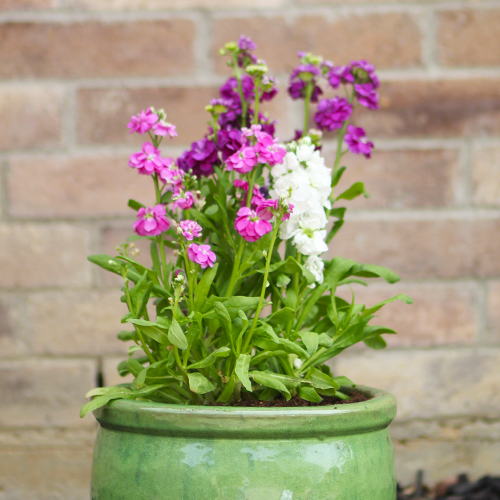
x,y
236,268
256,110
264,285
251,184
244,103
190,278
159,238
309,91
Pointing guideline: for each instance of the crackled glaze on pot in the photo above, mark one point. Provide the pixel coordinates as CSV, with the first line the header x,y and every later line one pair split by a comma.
x,y
148,451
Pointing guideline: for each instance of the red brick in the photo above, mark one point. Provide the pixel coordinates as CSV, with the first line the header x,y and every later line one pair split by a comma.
x,y
35,116
175,4
38,255
486,176
86,49
14,327
469,37
402,179
435,109
423,248
441,313
75,187
76,322
387,40
103,114
45,393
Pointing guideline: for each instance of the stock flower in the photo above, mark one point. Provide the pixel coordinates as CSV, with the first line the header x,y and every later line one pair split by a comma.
x,y
310,236
297,90
229,142
332,113
201,254
367,95
340,74
299,78
148,160
183,199
368,70
246,43
190,229
257,197
151,221
357,142
268,150
242,161
316,266
250,225
164,129
142,122
171,175
230,89
267,208
201,158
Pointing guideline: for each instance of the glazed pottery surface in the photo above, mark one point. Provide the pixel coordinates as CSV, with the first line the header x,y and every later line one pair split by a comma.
x,y
153,451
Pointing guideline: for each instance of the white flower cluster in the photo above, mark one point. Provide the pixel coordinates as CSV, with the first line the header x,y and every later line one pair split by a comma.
x,y
304,181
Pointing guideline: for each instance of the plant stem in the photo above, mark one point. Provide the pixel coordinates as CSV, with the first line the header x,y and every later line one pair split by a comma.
x,y
256,106
264,285
244,103
159,238
251,184
236,268
309,91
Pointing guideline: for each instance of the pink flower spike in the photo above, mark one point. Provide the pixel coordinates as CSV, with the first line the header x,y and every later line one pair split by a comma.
x,y
164,129
142,122
183,200
267,208
286,215
151,221
201,254
148,160
171,175
190,229
257,197
250,226
243,160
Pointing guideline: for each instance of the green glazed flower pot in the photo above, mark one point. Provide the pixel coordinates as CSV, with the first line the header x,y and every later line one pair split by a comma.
x,y
153,451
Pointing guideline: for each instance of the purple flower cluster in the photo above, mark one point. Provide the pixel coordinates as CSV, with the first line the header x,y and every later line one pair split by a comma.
x,y
300,77
357,142
201,158
332,113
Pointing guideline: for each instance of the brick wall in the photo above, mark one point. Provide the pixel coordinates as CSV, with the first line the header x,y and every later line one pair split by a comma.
x,y
73,71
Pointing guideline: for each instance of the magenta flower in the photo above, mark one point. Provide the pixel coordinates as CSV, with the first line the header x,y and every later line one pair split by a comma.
x,y
332,113
151,221
164,129
201,158
257,197
148,160
183,199
201,254
171,174
297,90
268,150
368,70
340,74
250,225
357,141
142,122
367,95
190,229
229,141
268,208
246,43
242,161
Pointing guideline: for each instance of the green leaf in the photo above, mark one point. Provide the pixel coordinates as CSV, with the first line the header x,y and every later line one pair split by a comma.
x,y
102,401
357,189
334,230
289,346
311,341
371,271
176,336
244,326
325,340
263,355
101,391
211,210
309,394
199,384
155,258
227,392
322,380
106,262
338,174
269,380
135,205
376,342
281,317
126,335
282,280
204,287
241,370
151,329
223,352
343,381
369,311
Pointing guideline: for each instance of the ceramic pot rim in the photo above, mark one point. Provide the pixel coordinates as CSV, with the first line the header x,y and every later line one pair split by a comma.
x,y
237,422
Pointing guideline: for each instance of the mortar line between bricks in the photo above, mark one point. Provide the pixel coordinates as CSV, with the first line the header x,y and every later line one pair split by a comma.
x,y
202,48
483,316
464,197
4,191
429,39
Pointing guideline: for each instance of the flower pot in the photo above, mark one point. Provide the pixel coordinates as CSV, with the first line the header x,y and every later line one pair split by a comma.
x,y
152,451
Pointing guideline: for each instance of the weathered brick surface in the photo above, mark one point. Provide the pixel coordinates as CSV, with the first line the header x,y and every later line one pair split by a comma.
x,y
389,40
110,373
494,312
86,49
417,248
402,179
441,314
469,37
65,323
103,114
435,109
75,187
175,4
14,325
430,383
45,393
486,176
38,255
45,473
38,116
27,4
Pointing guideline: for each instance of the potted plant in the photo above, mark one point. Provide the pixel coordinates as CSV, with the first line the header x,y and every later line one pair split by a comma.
x,y
232,397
